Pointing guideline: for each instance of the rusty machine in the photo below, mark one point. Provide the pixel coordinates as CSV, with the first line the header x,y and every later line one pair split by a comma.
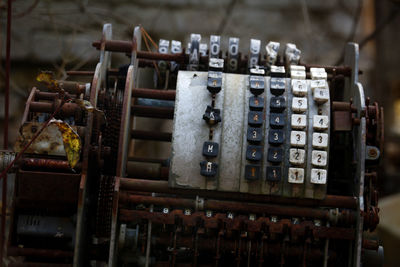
x,y
268,161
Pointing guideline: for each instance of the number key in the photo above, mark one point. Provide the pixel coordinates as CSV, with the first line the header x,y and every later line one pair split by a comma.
x,y
253,153
256,103
255,118
273,174
254,134
277,120
275,154
278,103
297,156
252,172
276,137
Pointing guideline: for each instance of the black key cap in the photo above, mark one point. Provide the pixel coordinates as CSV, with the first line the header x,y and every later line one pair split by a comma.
x,y
252,172
277,104
214,82
208,169
210,149
275,154
276,137
256,103
277,120
254,153
257,85
255,118
274,174
212,115
277,86
277,71
254,134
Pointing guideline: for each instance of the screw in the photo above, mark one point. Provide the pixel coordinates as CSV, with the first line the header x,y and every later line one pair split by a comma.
x,y
209,213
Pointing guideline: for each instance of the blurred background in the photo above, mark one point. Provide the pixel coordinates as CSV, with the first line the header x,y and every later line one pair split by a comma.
x,y
57,36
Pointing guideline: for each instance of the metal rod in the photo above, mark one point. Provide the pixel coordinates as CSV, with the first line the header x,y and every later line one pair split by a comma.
x,y
152,112
6,117
154,94
150,135
234,206
89,72
162,187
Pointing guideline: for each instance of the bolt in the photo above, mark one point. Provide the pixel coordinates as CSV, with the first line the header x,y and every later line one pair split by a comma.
x,y
372,153
165,210
188,212
252,217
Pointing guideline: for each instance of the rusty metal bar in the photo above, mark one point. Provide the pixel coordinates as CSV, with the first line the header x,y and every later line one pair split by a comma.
x,y
47,164
343,106
45,253
89,72
153,112
154,94
50,96
68,109
147,170
6,117
162,187
234,206
151,135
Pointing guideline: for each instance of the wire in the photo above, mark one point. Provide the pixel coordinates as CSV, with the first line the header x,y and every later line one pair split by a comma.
x,y
145,35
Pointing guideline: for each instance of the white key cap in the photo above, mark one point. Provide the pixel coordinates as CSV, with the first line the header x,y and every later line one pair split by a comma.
x,y
317,84
296,175
319,158
298,74
299,87
299,104
298,138
297,67
320,122
297,156
318,176
318,74
321,95
320,140
299,121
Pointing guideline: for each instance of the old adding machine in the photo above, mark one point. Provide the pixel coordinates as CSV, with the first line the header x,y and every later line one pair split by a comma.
x,y
197,156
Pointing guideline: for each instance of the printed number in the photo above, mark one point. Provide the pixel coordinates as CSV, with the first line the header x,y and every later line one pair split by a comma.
x,y
275,155
296,155
254,134
255,118
277,119
299,120
278,102
320,139
274,173
276,136
321,121
321,92
212,115
319,175
319,158
300,102
253,172
253,153
298,137
256,102
297,175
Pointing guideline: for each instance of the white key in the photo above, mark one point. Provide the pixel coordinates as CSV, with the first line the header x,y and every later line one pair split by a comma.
x,y
318,158
298,138
321,95
318,74
299,121
298,74
317,84
320,140
299,87
299,104
297,156
320,122
318,176
297,67
296,175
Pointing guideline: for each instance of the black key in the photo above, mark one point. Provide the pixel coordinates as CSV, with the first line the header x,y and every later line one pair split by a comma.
x,y
254,153
276,137
257,85
212,115
273,174
210,149
256,103
208,169
277,104
277,86
214,82
275,154
252,172
254,134
255,118
277,120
